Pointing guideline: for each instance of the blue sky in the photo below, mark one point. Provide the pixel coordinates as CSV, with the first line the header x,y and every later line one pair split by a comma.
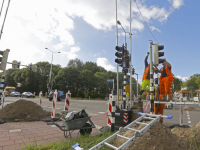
x,y
86,29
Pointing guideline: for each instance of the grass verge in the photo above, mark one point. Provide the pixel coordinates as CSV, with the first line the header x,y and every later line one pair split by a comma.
x,y
86,142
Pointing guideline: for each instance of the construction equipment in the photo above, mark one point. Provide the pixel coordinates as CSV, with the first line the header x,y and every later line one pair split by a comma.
x,y
138,133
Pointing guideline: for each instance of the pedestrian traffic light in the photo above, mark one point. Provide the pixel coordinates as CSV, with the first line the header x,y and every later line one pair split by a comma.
x,y
119,54
133,71
4,59
157,54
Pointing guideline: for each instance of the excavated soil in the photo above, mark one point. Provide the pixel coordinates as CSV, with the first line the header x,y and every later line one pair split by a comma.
x,y
191,108
23,110
159,137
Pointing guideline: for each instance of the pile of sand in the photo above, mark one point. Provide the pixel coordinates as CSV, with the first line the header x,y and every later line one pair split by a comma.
x,y
23,110
158,137
188,107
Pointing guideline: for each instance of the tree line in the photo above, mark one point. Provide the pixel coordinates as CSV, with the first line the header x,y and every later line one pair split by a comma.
x,y
81,79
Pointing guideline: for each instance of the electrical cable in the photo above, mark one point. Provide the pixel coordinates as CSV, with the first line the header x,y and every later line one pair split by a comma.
x,y
145,21
1,7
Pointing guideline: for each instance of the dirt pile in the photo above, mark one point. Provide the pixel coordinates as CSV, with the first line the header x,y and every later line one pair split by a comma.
x,y
191,108
158,137
23,110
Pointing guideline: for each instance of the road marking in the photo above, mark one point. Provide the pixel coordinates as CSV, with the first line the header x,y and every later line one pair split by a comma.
x,y
189,121
188,115
53,126
188,118
98,127
187,112
101,112
58,108
15,130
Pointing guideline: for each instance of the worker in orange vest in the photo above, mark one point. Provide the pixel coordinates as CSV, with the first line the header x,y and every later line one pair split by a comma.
x,y
165,87
145,78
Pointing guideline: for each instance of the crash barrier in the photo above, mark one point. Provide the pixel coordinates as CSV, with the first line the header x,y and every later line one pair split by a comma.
x,y
138,133
53,113
67,101
3,99
40,96
111,111
180,107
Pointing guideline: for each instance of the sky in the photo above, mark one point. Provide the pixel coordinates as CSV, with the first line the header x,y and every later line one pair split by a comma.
x,y
86,29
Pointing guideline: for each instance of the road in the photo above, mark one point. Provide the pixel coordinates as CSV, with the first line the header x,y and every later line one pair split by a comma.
x,y
95,107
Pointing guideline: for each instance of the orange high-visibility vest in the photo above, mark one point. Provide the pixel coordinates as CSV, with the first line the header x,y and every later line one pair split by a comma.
x,y
146,71
168,72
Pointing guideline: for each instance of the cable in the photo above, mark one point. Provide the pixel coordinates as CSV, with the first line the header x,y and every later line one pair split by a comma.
x,y
138,62
1,7
145,22
139,68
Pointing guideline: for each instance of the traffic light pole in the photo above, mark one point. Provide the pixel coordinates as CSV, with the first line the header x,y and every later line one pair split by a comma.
x,y
130,66
117,64
151,79
137,84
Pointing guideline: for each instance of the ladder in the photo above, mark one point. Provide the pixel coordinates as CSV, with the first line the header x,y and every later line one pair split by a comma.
x,y
138,133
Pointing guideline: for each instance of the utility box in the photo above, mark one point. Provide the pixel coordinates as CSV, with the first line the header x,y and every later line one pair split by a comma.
x,y
122,117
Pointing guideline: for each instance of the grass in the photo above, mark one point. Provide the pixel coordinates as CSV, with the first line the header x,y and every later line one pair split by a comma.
x,y
194,141
86,142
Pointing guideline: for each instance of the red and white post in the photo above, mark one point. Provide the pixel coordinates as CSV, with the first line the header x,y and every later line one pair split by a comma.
x,y
111,112
53,113
67,101
181,113
40,96
3,98
125,118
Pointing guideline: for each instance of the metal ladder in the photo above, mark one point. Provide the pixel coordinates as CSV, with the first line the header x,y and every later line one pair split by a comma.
x,y
138,133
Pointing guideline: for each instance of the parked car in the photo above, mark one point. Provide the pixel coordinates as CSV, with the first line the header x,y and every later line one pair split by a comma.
x,y
60,95
28,94
15,94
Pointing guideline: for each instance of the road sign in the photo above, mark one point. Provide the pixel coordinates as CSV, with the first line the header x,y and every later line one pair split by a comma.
x,y
18,84
110,80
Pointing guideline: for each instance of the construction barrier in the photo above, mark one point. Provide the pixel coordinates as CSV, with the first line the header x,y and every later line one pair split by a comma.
x,y
125,118
111,111
53,113
40,96
3,98
46,95
67,101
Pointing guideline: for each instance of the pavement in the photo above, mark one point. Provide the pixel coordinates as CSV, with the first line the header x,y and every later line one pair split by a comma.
x,y
14,135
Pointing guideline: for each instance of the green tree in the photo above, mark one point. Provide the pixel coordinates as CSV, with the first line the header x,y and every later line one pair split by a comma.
x,y
177,84
191,83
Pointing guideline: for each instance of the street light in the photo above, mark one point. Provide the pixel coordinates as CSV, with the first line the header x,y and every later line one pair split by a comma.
x,y
51,66
119,23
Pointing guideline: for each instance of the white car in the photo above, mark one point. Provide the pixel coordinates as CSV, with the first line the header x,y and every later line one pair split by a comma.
x,y
15,94
28,94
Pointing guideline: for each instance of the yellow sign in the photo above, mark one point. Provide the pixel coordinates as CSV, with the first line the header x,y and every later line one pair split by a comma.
x,y
120,97
127,95
127,88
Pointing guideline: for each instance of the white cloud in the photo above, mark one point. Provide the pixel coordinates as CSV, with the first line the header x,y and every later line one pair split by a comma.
x,y
103,62
176,3
72,53
154,28
183,78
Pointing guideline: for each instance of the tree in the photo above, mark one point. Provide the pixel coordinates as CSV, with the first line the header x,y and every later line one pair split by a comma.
x,y
191,83
177,84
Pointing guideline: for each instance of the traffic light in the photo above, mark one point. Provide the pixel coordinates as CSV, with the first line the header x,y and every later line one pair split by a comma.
x,y
157,54
133,71
4,59
126,58
30,67
119,54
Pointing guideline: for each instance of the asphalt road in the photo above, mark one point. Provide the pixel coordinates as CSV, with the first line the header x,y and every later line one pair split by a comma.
x,y
190,117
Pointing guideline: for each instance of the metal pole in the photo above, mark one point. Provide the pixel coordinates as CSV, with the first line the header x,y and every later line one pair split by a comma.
x,y
1,7
117,64
130,64
113,84
137,84
50,69
151,79
4,19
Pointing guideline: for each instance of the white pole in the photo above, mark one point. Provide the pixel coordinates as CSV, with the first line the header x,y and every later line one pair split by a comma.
x,y
151,79
181,113
117,64
113,84
40,96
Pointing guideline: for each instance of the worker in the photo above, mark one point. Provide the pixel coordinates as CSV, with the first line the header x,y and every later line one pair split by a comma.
x,y
145,78
166,78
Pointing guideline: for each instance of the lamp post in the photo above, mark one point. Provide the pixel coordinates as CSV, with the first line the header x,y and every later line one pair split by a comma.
x,y
118,22
51,67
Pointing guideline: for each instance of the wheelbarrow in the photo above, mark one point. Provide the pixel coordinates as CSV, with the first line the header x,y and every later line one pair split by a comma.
x,y
78,124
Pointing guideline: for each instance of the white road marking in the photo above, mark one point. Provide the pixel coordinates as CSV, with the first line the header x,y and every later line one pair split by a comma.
x,y
189,121
15,130
101,112
188,115
188,118
187,112
53,126
58,108
98,127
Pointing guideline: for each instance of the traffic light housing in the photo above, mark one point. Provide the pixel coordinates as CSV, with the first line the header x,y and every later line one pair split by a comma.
x,y
157,54
119,54
133,71
3,59
18,65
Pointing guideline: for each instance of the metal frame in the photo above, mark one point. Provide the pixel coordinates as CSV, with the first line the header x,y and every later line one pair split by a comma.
x,y
138,133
